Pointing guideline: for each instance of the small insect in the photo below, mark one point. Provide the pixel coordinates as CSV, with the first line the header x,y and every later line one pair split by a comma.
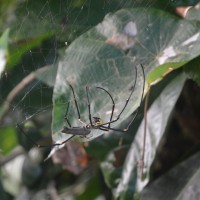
x,y
95,122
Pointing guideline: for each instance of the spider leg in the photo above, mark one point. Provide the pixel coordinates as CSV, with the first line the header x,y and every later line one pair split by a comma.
x,y
39,145
76,105
123,130
103,128
65,117
137,110
113,104
127,100
89,109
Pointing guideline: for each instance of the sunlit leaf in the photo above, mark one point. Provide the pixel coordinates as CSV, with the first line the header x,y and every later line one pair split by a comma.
x,y
3,50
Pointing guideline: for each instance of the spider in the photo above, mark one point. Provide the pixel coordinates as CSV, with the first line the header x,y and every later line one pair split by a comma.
x,y
94,122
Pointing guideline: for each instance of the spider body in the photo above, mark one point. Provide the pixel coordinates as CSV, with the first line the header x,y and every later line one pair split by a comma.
x,y
97,121
85,130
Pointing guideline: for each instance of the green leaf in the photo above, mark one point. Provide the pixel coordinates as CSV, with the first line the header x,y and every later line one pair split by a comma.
x,y
180,183
104,75
106,56
157,119
8,139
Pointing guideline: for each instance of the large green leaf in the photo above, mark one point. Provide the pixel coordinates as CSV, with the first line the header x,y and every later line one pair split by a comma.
x,y
115,75
106,56
157,118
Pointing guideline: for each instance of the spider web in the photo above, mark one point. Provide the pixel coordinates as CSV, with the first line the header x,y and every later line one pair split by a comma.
x,y
39,33
79,41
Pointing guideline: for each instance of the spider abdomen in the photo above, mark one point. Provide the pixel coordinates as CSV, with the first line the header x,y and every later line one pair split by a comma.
x,y
76,130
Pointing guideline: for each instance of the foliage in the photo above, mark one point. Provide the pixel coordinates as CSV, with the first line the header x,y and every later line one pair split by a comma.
x,y
90,44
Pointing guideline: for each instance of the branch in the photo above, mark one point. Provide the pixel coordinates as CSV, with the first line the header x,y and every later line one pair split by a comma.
x,y
16,90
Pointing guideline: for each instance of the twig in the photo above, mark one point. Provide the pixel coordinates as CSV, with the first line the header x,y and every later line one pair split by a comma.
x,y
5,160
141,162
16,90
